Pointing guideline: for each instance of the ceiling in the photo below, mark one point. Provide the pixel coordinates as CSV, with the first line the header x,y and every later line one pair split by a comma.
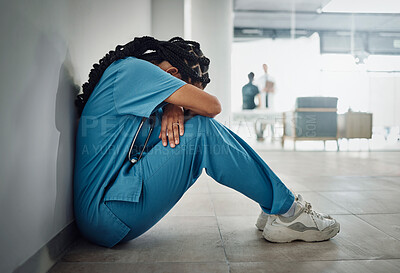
x,y
373,33
279,5
276,14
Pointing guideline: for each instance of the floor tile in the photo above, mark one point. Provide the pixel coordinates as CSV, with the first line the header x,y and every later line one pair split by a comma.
x,y
393,179
365,266
244,242
330,164
347,183
388,223
364,202
360,240
200,186
174,239
234,204
140,267
322,204
193,205
356,240
359,189
216,187
294,183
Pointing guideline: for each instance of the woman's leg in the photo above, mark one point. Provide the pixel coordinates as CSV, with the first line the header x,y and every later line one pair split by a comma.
x,y
169,172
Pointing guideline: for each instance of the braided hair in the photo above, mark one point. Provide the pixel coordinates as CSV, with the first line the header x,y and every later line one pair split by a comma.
x,y
185,55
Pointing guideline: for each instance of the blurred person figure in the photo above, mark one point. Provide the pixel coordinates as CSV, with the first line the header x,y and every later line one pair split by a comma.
x,y
249,91
267,86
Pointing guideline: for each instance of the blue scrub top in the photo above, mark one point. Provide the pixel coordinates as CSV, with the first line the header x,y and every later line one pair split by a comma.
x,y
128,90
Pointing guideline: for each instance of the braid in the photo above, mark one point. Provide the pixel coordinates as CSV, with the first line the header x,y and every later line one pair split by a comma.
x,y
188,58
185,55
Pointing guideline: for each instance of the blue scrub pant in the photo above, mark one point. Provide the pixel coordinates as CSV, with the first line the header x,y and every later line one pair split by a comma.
x,y
169,172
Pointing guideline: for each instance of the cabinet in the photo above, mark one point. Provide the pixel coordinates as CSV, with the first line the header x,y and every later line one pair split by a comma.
x,y
355,125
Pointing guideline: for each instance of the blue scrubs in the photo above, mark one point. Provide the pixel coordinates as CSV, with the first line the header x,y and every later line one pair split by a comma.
x,y
115,201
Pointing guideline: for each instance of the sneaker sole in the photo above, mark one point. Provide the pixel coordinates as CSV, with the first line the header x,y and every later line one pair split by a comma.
x,y
280,235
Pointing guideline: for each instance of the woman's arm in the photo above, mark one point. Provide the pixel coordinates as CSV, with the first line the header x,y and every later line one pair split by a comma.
x,y
193,98
195,101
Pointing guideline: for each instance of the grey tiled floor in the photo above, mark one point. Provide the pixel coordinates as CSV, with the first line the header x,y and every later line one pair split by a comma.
x,y
212,228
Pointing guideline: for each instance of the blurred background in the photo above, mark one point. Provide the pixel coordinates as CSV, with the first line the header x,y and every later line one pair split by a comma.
x,y
344,49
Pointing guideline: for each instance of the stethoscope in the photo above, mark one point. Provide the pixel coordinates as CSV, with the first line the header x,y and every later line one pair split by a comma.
x,y
152,124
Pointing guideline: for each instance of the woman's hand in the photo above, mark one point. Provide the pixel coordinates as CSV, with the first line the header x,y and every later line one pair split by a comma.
x,y
172,125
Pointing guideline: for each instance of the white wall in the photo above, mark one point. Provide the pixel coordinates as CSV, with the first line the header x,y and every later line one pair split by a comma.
x,y
212,26
208,22
46,47
384,98
372,87
167,18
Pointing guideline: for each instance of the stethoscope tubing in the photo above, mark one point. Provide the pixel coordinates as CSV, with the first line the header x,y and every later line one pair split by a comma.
x,y
152,124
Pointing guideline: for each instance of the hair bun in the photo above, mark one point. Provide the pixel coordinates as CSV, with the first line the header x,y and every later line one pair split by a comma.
x,y
204,61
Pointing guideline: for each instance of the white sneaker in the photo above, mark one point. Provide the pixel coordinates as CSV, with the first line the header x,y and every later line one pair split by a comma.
x,y
305,225
262,220
263,217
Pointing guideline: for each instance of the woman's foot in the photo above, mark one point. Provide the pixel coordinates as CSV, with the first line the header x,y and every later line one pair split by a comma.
x,y
262,220
305,225
263,217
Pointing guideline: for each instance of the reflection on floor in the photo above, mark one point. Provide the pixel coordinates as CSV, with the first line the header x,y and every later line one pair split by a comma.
x,y
212,228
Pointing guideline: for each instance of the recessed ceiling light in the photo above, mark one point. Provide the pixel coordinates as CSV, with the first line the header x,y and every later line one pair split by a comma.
x,y
363,6
253,31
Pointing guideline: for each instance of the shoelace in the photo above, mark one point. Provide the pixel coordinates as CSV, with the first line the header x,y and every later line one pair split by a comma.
x,y
308,209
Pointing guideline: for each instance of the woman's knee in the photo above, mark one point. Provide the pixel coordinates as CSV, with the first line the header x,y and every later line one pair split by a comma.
x,y
199,119
198,124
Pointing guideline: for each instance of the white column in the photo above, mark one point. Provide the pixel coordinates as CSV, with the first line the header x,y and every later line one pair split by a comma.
x,y
211,24
208,22
167,18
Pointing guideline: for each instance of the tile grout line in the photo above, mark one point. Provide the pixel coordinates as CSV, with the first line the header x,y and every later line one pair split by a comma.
x,y
219,229
291,261
309,261
352,213
330,200
149,263
357,215
376,227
